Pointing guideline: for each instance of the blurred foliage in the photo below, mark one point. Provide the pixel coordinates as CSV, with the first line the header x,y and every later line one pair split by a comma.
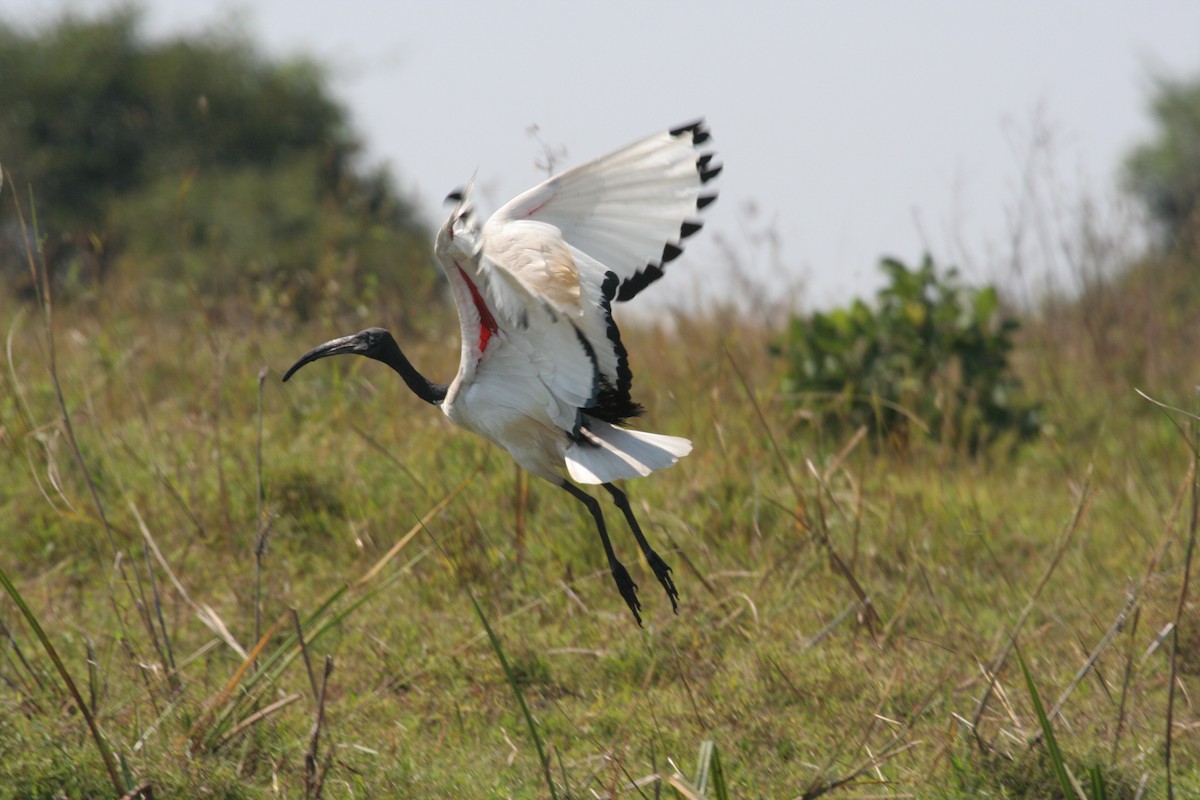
x,y
196,159
1164,173
932,352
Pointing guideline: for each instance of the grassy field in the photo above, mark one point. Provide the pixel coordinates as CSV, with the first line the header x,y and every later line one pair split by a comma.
x,y
235,577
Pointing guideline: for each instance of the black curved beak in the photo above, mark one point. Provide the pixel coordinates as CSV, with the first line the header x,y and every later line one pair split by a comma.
x,y
344,345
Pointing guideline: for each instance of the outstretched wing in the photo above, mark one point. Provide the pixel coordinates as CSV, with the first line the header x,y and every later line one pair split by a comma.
x,y
630,210
551,262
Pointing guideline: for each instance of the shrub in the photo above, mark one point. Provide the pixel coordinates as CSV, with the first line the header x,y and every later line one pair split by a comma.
x,y
198,163
932,354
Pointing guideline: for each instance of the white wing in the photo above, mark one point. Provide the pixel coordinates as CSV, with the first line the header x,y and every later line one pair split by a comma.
x,y
549,264
518,378
629,210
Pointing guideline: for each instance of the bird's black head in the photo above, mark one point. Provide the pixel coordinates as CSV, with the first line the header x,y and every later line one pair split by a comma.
x,y
372,343
378,344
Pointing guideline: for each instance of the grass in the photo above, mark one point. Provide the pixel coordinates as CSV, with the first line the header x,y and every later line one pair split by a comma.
x,y
848,616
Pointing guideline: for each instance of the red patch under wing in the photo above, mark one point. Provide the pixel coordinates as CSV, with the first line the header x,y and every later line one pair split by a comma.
x,y
487,323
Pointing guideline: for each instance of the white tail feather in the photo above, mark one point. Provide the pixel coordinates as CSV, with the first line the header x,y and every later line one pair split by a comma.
x,y
611,453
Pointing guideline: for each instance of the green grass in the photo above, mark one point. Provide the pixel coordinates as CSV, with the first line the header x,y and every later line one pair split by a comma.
x,y
774,672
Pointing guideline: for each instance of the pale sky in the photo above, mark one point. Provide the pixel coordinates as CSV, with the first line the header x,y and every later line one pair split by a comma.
x,y
857,129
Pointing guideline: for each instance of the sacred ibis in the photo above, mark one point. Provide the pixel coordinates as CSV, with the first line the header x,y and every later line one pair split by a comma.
x,y
543,373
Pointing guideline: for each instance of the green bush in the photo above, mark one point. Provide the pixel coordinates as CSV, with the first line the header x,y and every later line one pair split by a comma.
x,y
1164,171
932,355
197,163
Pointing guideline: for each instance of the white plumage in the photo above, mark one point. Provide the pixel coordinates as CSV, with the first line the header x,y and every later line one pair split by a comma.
x,y
543,373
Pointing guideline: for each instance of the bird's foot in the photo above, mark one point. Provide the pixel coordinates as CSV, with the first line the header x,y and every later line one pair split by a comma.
x,y
663,573
628,589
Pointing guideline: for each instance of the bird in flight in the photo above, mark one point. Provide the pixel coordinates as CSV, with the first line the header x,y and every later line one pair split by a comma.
x,y
543,373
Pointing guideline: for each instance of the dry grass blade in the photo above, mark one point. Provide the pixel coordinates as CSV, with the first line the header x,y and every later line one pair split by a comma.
x,y
830,626
17,393
1126,680
202,724
256,717
168,485
375,445
314,775
1109,635
870,615
762,420
312,678
683,788
414,530
840,456
1165,408
1163,634
891,749
853,777
681,553
205,614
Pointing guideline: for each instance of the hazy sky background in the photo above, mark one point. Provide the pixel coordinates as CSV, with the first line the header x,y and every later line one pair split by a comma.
x,y
855,129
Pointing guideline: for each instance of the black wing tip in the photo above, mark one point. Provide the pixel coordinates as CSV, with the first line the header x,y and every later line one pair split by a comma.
x,y
698,131
608,289
671,252
700,134
641,280
697,128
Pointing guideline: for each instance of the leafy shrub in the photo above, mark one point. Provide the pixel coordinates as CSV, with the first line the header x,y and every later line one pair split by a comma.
x,y
932,353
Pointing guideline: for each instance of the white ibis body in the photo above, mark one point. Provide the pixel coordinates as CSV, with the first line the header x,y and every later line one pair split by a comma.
x,y
543,373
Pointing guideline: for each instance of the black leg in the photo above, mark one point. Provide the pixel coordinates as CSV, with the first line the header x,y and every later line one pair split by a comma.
x,y
625,584
660,568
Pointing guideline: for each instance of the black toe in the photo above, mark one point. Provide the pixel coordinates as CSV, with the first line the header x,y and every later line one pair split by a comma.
x,y
628,590
663,573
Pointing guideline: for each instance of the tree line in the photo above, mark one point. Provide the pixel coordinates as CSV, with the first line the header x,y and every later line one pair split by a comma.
x,y
193,160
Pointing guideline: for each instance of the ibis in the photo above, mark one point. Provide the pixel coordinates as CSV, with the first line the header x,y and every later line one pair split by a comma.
x,y
543,373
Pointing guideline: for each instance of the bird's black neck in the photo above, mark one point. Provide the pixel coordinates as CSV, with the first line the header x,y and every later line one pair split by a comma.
x,y
389,353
